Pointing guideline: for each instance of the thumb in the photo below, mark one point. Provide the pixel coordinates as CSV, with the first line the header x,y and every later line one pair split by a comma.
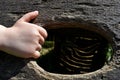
x,y
29,16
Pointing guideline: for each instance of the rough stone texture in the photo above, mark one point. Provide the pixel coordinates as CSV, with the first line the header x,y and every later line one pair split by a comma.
x,y
100,11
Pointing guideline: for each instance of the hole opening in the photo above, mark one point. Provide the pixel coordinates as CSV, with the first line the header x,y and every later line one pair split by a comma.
x,y
74,50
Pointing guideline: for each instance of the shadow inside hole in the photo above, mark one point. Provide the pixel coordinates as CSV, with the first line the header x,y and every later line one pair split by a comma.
x,y
44,0
73,51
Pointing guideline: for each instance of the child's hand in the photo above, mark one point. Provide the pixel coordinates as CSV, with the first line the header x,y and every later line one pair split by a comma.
x,y
24,39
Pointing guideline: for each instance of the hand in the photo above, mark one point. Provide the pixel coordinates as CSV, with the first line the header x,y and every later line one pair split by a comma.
x,y
24,39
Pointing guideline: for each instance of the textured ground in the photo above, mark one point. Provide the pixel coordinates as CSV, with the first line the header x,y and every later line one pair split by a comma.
x,y
100,11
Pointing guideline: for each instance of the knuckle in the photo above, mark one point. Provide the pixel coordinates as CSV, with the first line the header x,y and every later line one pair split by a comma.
x,y
36,33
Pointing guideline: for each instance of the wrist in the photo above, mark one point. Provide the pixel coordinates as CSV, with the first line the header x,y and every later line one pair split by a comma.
x,y
3,31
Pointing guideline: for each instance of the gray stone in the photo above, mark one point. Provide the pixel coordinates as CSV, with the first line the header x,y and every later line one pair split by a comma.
x,y
106,12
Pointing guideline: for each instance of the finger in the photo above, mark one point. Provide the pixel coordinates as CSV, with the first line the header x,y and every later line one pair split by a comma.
x,y
41,40
36,54
40,29
39,47
29,16
43,32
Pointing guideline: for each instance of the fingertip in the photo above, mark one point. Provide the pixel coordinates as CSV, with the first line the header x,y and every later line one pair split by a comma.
x,y
37,12
36,54
46,34
43,32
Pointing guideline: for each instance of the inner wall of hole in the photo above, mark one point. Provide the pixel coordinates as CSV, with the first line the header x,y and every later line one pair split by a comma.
x,y
51,53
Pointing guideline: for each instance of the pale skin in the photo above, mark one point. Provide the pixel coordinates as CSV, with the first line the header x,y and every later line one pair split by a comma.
x,y
23,39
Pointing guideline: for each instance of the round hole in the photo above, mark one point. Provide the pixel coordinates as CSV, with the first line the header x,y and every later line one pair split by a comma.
x,y
74,50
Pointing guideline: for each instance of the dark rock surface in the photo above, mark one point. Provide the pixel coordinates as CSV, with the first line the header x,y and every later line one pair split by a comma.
x,y
100,11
